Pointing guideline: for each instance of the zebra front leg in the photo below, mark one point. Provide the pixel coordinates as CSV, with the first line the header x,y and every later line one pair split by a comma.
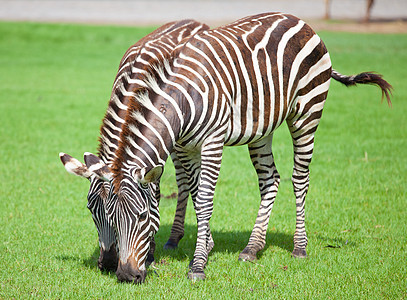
x,y
191,168
211,158
177,229
269,179
150,255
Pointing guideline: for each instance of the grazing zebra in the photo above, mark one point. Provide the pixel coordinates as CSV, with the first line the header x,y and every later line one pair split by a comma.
x,y
133,66
232,85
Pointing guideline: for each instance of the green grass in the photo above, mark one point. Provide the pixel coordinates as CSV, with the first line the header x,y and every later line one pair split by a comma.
x,y
55,82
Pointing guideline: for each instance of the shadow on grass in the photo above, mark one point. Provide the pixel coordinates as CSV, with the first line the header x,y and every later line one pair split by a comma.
x,y
225,241
91,262
335,242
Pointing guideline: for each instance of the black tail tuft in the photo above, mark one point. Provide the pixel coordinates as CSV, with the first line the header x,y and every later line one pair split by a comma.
x,y
365,78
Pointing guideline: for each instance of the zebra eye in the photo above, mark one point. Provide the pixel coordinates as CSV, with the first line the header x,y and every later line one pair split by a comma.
x,y
143,216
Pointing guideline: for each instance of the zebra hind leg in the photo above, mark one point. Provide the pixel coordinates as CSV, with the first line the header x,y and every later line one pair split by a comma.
x,y
269,179
300,180
302,125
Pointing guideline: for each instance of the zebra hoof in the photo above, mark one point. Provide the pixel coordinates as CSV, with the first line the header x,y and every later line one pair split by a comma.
x,y
246,255
195,276
210,246
170,245
299,253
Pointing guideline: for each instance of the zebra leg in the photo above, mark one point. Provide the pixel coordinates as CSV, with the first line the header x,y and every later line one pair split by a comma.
x,y
150,255
303,123
211,158
191,167
300,180
269,179
177,229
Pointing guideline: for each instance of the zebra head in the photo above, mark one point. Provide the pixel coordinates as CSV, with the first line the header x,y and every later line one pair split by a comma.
x,y
132,207
98,192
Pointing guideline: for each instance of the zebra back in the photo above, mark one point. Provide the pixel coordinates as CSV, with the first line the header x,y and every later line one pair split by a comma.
x,y
244,76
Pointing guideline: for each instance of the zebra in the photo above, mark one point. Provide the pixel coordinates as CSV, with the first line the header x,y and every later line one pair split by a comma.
x,y
133,66
228,86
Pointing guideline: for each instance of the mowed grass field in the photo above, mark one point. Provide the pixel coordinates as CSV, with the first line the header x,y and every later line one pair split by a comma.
x,y
55,82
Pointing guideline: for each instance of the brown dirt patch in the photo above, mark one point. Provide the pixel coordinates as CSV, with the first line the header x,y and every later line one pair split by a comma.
x,y
399,26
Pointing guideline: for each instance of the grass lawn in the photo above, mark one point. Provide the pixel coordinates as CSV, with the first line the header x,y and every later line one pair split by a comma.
x,y
55,82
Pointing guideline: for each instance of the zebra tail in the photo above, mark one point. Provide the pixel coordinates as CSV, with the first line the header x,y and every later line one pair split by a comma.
x,y
366,78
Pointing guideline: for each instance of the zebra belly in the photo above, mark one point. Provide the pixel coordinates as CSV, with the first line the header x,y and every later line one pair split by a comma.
x,y
237,138
254,124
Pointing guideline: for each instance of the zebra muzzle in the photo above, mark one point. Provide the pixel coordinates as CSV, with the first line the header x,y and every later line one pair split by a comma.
x,y
127,273
108,259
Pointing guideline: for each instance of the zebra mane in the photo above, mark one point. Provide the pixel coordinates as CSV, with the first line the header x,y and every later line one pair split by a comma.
x,y
132,90
137,103
124,70
133,73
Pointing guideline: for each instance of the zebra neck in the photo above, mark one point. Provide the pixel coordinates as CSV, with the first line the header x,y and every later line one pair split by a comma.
x,y
143,151
148,136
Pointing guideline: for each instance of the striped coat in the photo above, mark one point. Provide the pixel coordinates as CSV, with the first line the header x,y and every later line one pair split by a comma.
x,y
231,85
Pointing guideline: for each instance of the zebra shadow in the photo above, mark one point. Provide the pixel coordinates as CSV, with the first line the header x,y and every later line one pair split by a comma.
x,y
92,261
225,242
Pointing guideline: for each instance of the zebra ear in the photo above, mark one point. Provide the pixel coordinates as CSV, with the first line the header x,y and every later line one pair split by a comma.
x,y
97,166
147,176
74,166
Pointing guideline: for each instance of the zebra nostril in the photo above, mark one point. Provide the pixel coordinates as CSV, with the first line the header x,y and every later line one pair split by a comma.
x,y
138,278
